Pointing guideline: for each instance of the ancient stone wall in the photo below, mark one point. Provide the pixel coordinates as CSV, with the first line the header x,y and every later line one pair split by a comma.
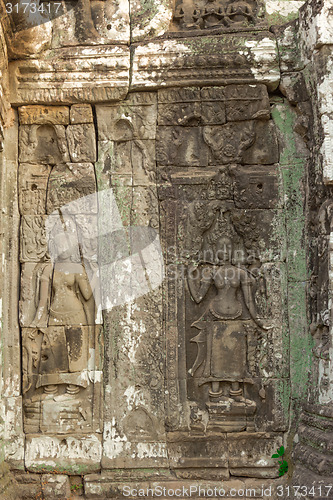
x,y
166,288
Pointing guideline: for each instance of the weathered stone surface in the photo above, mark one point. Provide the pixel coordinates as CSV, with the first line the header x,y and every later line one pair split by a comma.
x,y
33,180
11,435
315,27
281,12
44,115
90,24
256,186
81,142
135,118
72,188
195,451
43,144
103,73
149,22
65,455
288,41
265,147
81,113
102,486
242,450
203,375
55,486
29,486
188,61
11,431
293,86
29,38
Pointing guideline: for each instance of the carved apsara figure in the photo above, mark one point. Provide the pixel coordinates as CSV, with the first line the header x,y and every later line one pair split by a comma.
x,y
221,341
65,310
207,14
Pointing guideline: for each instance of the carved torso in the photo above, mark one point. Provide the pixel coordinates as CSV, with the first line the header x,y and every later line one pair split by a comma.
x,y
66,306
226,304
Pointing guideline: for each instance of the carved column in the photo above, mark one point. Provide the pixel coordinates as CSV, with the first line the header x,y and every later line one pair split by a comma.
x,y
313,451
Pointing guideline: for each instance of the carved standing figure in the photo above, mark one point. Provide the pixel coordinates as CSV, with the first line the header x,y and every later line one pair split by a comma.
x,y
221,341
66,306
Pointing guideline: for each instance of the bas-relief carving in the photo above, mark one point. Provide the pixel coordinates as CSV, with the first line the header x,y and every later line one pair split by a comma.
x,y
57,302
33,181
219,195
126,135
319,289
68,184
209,14
205,128
224,361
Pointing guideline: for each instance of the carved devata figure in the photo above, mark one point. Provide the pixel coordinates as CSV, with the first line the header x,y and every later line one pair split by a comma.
x,y
56,349
63,299
222,359
57,303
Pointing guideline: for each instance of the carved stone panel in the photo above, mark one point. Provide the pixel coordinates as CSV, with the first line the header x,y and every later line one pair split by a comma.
x,y
33,181
44,115
228,143
213,106
81,113
61,338
54,363
265,149
224,241
81,142
257,186
71,187
33,239
188,146
43,144
214,126
135,118
196,15
179,106
130,270
247,102
128,162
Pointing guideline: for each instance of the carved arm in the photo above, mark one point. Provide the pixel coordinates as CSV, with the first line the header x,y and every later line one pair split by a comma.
x,y
84,286
43,296
247,288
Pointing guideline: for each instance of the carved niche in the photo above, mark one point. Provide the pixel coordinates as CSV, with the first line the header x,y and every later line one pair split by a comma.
x,y
61,371
223,233
228,328
210,14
